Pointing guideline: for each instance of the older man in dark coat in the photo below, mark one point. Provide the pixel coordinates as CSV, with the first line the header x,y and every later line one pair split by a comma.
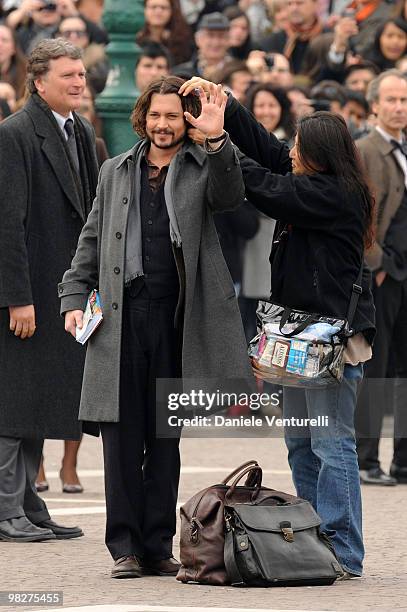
x,y
48,176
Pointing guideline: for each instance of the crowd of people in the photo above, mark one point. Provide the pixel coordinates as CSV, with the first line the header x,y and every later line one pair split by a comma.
x,y
317,53
296,73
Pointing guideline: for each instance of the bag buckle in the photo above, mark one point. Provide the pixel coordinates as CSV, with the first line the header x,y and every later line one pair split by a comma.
x,y
243,542
228,518
357,288
196,525
287,531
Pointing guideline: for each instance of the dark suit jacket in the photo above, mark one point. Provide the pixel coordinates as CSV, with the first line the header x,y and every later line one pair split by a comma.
x,y
42,215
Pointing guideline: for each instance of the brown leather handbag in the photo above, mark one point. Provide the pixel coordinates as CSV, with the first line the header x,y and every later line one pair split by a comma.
x,y
202,538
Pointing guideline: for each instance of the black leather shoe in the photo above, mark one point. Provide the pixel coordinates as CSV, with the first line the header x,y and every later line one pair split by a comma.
x,y
399,473
376,476
164,567
22,530
127,567
60,532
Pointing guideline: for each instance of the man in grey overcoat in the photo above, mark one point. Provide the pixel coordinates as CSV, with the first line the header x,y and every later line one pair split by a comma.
x,y
150,247
46,193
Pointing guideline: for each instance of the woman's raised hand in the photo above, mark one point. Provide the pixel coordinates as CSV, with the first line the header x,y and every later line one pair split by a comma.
x,y
210,121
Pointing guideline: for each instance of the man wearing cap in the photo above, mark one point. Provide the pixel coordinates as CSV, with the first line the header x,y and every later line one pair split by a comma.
x,y
212,41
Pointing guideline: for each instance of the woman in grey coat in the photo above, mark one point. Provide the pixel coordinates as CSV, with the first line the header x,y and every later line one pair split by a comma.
x,y
150,247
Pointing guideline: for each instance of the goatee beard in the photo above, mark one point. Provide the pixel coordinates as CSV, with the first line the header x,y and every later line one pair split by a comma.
x,y
171,145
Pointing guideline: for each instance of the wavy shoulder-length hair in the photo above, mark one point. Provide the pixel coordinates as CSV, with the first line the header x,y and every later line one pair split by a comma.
x,y
163,86
324,144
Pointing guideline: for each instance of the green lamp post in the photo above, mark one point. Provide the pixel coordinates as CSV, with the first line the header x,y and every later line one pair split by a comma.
x,y
122,19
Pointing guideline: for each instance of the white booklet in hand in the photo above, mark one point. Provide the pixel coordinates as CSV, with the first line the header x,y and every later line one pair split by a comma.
x,y
92,317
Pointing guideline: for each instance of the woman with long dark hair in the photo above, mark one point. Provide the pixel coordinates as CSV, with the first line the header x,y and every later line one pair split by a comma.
x,y
272,108
165,24
325,215
390,44
239,33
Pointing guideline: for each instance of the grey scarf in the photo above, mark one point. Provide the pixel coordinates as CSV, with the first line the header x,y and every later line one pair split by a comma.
x,y
134,248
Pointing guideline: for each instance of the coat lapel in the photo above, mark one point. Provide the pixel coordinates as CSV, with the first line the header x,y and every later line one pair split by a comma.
x,y
53,147
189,217
182,185
395,183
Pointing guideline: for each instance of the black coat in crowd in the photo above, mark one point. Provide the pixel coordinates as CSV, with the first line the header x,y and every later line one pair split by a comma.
x,y
187,70
318,243
276,42
234,228
42,214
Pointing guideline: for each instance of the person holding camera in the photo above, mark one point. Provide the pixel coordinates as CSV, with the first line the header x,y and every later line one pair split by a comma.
x,y
304,25
273,68
34,20
355,30
325,221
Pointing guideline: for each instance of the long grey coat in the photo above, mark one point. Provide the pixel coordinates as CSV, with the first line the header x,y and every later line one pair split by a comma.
x,y
213,339
41,218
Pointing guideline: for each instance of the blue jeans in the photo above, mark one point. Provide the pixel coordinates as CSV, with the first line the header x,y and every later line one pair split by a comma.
x,y
324,462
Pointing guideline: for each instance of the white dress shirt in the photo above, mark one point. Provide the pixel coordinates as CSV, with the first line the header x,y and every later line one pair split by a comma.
x,y
61,121
400,157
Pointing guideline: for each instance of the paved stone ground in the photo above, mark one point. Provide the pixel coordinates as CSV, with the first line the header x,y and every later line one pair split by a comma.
x,y
80,568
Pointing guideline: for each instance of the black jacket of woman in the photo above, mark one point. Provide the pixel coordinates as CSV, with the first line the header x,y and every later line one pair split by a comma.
x,y
318,242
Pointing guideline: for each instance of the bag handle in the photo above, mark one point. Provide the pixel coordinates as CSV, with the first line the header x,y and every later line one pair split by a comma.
x,y
252,462
256,483
300,327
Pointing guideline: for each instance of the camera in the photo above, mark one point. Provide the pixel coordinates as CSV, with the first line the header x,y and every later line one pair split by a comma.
x,y
348,12
48,5
269,59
